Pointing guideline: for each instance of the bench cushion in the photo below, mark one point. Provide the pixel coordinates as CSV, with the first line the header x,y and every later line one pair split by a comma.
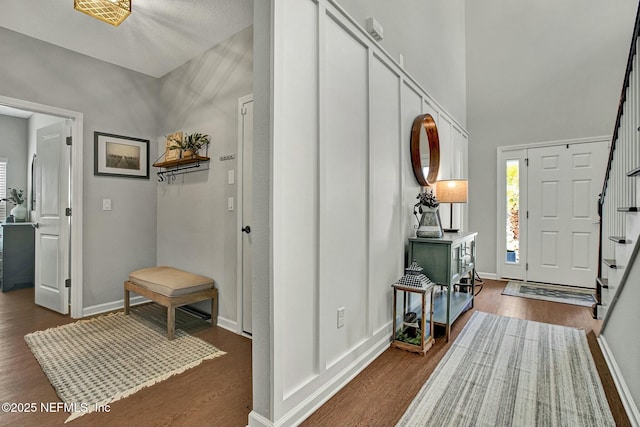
x,y
170,281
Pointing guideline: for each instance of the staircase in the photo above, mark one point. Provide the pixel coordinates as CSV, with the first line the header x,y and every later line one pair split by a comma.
x,y
619,200
618,283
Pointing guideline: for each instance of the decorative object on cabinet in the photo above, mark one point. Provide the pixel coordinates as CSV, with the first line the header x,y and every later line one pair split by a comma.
x,y
413,333
452,191
425,150
110,11
429,222
121,156
19,211
446,261
172,146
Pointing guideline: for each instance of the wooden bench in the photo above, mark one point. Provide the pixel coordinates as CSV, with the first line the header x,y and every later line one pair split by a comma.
x,y
171,288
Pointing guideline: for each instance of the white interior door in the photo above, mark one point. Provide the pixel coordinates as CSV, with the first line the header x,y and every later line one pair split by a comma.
x,y
564,183
52,234
247,195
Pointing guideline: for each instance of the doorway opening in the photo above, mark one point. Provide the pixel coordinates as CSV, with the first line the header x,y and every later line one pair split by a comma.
x,y
547,229
68,268
245,196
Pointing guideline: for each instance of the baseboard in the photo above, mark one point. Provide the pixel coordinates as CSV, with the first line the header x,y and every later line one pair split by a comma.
x,y
112,306
257,420
227,324
137,300
624,392
491,276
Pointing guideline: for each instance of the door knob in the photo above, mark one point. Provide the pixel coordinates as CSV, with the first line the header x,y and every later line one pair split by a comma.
x,y
247,229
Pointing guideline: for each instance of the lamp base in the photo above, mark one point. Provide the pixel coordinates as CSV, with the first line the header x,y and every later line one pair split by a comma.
x,y
451,230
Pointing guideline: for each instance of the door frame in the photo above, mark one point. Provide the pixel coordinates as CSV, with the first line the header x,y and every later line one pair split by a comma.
x,y
513,152
75,182
239,215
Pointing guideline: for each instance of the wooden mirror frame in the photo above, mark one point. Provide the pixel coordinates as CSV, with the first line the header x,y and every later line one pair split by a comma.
x,y
426,121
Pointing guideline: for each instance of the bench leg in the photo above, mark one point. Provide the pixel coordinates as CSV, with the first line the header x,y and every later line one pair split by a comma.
x,y
171,322
126,301
214,310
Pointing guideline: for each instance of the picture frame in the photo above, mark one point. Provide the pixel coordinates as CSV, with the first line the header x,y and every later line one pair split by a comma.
x,y
120,156
174,154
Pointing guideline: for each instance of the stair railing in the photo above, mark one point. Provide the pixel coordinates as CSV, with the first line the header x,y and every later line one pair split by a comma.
x,y
619,191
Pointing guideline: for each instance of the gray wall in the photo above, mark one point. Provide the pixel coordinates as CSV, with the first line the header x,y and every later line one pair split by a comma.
x,y
431,37
113,100
537,71
13,147
195,230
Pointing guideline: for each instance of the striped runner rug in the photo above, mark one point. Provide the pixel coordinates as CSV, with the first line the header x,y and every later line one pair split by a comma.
x,y
502,371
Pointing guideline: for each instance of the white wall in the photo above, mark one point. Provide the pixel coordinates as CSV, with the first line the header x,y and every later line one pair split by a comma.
x,y
430,35
195,230
537,71
342,192
13,147
113,100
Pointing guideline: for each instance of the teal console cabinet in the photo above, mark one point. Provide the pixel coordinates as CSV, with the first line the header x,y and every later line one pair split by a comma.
x,y
445,261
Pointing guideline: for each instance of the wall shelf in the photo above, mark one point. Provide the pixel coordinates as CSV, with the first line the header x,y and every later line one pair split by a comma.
x,y
169,169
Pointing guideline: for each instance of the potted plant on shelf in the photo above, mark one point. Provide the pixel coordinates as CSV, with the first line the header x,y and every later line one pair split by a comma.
x,y
191,144
16,197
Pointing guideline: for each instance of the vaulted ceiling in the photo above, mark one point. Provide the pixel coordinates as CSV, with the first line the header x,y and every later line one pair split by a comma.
x,y
159,36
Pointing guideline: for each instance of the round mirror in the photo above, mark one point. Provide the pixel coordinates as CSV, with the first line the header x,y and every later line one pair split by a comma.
x,y
425,149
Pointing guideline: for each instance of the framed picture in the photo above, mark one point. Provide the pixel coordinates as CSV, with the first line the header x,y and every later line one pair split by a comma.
x,y
174,154
124,156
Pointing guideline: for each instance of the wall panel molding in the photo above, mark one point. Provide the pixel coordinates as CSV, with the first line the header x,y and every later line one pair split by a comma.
x,y
348,123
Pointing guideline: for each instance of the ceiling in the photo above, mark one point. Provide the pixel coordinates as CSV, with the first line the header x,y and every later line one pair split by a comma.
x,y
158,36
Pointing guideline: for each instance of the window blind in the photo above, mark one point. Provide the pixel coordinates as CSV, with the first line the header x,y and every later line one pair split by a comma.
x,y
3,188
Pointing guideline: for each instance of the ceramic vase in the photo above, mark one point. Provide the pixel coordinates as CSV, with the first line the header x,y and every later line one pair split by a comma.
x,y
430,225
19,212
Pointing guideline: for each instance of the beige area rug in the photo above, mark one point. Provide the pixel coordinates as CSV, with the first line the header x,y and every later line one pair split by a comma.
x,y
509,372
95,362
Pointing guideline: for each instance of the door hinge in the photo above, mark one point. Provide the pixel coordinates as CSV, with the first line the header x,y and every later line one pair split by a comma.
x,y
68,140
67,283
527,214
526,266
67,212
243,111
526,161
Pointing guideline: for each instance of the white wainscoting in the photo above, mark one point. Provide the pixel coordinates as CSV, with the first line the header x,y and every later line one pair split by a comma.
x,y
343,194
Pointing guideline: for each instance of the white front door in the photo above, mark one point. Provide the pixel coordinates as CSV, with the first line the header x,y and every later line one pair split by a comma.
x,y
52,234
247,195
563,186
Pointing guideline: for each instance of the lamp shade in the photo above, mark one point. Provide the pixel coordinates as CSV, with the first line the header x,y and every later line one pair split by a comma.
x,y
452,191
110,11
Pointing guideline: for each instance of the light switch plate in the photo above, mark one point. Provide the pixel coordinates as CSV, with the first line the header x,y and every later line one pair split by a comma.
x,y
106,204
230,204
231,177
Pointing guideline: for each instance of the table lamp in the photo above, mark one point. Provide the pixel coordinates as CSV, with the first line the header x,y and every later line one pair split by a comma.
x,y
451,191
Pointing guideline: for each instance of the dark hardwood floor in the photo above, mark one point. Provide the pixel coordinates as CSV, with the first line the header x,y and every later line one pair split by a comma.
x,y
215,393
381,393
218,392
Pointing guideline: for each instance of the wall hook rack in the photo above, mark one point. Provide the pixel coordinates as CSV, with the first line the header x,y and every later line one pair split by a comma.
x,y
170,169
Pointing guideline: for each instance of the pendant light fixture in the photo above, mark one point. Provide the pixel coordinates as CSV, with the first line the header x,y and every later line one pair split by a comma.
x,y
110,11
